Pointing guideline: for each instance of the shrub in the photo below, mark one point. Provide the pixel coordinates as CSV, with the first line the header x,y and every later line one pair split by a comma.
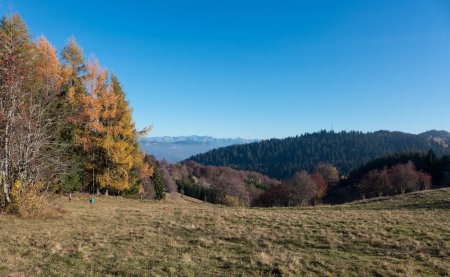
x,y
302,189
231,187
404,178
374,183
424,181
231,201
400,178
276,195
329,173
26,201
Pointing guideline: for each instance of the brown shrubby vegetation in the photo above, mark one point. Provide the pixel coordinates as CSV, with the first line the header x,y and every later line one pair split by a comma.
x,y
299,190
222,185
398,179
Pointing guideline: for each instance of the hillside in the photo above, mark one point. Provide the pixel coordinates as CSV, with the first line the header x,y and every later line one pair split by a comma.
x,y
280,158
440,137
175,149
403,235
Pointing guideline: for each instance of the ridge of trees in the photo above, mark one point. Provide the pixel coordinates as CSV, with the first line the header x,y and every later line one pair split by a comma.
x,y
281,158
389,175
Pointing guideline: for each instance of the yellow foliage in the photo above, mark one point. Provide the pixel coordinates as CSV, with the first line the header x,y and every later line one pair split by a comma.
x,y
27,200
106,130
231,201
46,69
146,170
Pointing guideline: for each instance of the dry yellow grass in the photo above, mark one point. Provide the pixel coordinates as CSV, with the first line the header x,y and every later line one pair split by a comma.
x,y
407,235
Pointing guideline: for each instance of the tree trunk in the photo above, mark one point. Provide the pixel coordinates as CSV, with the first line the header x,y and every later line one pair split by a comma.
x,y
6,192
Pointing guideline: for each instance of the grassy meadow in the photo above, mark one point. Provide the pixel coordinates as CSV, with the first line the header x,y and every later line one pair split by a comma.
x,y
406,235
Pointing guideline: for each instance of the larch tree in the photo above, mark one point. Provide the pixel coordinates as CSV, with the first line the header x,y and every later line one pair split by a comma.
x,y
120,142
106,132
90,121
46,84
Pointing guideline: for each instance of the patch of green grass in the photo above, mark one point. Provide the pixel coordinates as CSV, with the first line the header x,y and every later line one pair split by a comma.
x,y
402,235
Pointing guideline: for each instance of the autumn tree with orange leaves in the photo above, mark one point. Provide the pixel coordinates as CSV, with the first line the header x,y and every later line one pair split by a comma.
x,y
105,132
63,125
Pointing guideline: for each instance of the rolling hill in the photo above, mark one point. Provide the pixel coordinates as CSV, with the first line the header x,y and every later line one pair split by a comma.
x,y
280,158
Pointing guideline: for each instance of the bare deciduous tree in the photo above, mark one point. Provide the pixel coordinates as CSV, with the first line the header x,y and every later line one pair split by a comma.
x,y
28,85
302,188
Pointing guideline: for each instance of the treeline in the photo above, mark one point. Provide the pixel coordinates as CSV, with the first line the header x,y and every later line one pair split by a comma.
x,y
398,179
428,162
220,185
394,174
301,189
281,158
227,186
389,175
65,124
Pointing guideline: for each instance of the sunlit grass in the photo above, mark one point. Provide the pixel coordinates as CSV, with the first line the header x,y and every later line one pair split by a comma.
x,y
406,235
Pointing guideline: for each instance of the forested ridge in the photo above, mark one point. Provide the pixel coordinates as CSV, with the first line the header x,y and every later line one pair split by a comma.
x,y
280,158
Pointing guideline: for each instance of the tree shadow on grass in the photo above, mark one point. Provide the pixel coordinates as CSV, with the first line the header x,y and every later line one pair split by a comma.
x,y
442,205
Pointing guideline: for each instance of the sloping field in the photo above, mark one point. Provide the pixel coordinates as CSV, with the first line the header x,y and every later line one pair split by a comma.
x,y
405,235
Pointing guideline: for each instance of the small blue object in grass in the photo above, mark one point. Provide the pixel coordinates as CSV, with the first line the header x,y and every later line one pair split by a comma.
x,y
91,200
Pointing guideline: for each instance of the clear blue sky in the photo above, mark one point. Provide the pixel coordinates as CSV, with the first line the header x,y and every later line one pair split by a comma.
x,y
261,69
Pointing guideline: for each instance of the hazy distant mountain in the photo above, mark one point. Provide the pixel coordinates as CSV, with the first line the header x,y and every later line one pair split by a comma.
x,y
279,158
175,149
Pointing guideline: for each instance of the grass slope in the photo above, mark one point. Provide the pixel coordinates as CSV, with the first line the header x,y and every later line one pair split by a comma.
x,y
404,235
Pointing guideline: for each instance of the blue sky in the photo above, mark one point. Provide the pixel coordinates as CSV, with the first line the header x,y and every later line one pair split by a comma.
x,y
262,69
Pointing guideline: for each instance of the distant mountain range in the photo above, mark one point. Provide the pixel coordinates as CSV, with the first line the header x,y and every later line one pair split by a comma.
x,y
175,149
280,158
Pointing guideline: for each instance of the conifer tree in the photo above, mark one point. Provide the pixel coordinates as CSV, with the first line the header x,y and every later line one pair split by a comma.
x,y
120,143
160,192
94,110
72,71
